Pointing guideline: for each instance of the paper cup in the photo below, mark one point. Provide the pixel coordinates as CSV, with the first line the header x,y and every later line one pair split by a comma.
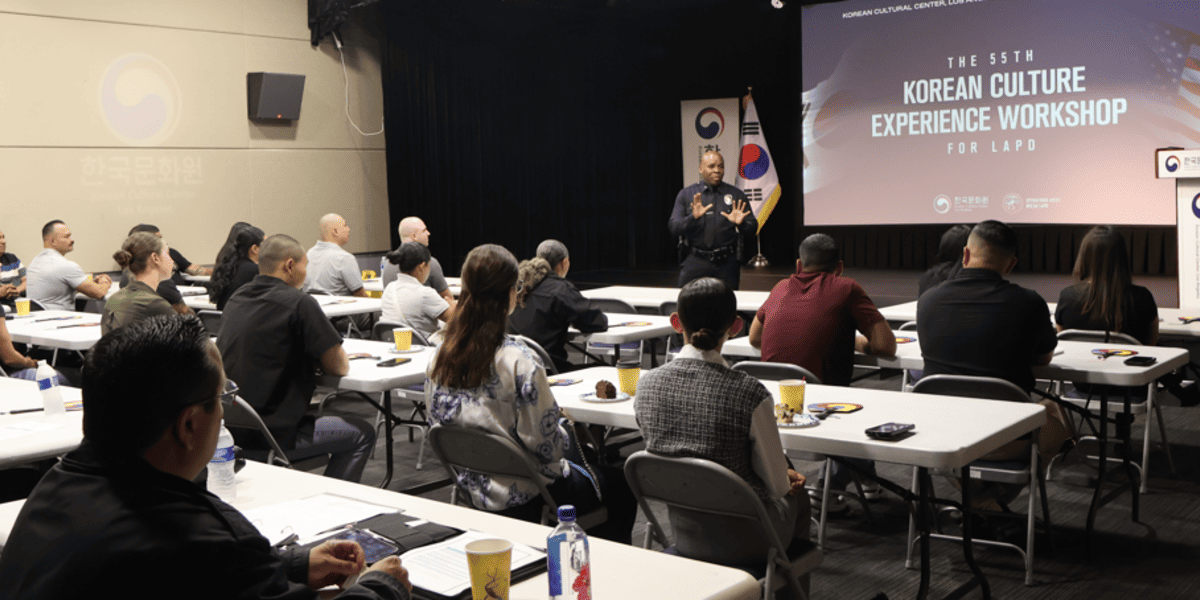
x,y
628,374
22,306
791,391
368,275
490,564
403,336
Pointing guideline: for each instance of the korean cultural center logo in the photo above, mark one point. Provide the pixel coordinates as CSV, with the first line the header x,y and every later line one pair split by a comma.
x,y
709,123
1172,163
941,204
1195,208
140,100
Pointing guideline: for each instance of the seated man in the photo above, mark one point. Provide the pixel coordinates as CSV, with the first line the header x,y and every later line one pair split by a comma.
x,y
981,324
335,272
413,229
273,337
548,304
12,275
53,280
122,513
810,320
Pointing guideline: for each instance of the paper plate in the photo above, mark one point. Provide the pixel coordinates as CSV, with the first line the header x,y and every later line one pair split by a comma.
x,y
801,420
411,350
591,397
838,407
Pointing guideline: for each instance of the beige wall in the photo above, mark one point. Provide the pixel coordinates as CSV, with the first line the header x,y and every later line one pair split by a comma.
x,y
174,146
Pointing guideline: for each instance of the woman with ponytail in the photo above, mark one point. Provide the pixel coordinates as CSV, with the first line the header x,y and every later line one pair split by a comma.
x,y
697,406
147,258
237,262
484,379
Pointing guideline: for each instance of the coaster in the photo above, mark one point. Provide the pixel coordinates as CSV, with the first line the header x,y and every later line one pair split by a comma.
x,y
1107,352
905,339
633,324
557,381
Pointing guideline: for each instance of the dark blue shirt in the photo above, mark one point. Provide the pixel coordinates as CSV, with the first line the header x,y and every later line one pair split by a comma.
x,y
712,230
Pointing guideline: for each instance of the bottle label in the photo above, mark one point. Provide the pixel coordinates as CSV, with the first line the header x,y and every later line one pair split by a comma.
x,y
45,384
223,455
554,565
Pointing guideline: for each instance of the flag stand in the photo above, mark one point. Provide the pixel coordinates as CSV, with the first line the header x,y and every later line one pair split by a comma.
x,y
759,261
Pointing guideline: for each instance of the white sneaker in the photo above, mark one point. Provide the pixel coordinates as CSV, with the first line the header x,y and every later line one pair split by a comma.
x,y
837,502
871,489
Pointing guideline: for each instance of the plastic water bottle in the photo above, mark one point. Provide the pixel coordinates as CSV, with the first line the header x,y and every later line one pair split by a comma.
x,y
47,381
570,571
221,479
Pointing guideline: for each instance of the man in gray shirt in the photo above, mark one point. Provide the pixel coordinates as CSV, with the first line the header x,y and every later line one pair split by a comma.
x,y
52,279
413,229
333,271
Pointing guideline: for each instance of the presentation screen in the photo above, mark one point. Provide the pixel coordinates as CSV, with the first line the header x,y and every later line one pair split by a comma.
x,y
1026,111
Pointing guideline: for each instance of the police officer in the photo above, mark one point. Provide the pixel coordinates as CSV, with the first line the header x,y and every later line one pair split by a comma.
x,y
710,216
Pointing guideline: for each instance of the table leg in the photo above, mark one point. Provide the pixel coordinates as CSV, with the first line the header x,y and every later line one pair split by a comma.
x,y
923,492
1102,437
968,552
1126,425
390,422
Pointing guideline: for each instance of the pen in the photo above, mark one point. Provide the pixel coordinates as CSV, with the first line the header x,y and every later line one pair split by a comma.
x,y
21,411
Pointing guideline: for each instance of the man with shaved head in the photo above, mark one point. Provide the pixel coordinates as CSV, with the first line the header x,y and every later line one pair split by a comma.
x,y
413,229
52,280
273,337
332,270
710,219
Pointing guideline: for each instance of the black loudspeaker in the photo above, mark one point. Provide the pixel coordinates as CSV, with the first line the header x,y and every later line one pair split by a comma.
x,y
274,96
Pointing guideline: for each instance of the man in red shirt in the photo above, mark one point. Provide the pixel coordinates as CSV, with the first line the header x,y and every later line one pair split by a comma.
x,y
811,318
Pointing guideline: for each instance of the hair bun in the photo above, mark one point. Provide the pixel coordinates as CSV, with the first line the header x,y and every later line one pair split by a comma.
x,y
123,258
704,339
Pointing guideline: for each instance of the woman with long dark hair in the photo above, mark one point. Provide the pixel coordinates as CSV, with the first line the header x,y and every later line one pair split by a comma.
x,y
484,379
696,405
1104,297
237,262
949,258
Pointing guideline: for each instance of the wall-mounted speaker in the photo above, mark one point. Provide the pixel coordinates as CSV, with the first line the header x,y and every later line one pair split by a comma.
x,y
274,96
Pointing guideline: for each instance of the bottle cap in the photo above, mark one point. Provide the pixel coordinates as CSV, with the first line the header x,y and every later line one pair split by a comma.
x,y
566,513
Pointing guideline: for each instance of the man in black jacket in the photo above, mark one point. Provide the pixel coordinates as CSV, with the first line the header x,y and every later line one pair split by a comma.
x,y
121,514
548,304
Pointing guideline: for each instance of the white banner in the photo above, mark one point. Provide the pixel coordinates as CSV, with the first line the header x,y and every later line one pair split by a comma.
x,y
1187,196
709,125
1177,164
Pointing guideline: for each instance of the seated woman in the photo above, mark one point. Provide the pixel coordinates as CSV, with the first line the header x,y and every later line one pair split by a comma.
x,y
407,300
146,257
697,406
1105,298
15,364
484,379
949,258
237,263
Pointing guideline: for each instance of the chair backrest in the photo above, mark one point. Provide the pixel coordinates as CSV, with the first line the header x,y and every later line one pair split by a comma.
x,y
908,326
484,452
211,320
613,305
987,388
544,356
1101,337
382,331
774,371
35,305
239,413
700,485
666,308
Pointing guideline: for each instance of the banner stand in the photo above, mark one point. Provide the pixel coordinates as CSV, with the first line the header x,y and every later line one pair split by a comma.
x,y
1184,167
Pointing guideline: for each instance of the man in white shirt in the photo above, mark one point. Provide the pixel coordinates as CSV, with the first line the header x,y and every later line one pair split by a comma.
x,y
53,280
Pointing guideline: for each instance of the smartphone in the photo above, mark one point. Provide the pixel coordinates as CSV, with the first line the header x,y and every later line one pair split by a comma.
x,y
889,430
1140,361
393,362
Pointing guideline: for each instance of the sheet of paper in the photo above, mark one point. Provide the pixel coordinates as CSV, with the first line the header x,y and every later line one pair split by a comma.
x,y
309,516
27,427
442,567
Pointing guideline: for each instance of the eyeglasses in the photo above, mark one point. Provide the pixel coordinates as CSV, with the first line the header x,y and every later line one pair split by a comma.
x,y
231,390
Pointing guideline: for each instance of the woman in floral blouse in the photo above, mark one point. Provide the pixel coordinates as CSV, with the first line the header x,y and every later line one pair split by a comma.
x,y
484,379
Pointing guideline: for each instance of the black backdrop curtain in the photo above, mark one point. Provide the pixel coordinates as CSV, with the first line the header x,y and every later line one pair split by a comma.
x,y
512,122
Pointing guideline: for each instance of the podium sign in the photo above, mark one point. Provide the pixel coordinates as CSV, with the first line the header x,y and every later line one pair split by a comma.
x,y
1184,167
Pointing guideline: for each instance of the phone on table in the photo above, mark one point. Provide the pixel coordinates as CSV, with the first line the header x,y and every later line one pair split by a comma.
x,y
1140,361
889,430
393,362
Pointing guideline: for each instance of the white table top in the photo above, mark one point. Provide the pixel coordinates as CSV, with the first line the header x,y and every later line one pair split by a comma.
x,y
375,284
368,378
1169,324
653,297
619,570
197,278
659,326
951,431
332,306
68,330
27,437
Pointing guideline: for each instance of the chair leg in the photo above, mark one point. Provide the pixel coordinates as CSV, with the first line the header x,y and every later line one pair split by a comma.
x,y
824,503
1162,433
1030,514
